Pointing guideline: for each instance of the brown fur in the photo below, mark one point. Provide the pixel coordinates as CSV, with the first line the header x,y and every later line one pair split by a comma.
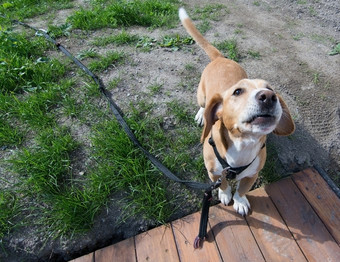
x,y
226,116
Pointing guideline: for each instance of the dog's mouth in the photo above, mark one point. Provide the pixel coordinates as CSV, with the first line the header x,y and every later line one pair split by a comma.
x,y
261,119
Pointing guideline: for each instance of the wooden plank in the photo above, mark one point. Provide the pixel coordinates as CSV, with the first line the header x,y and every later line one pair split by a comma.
x,y
86,258
122,251
322,198
157,244
185,231
311,234
233,236
270,231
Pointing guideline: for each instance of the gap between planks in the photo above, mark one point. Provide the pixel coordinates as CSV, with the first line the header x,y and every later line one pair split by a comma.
x,y
298,221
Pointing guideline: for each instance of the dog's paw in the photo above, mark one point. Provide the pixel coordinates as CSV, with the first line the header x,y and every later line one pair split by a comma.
x,y
199,116
241,204
225,195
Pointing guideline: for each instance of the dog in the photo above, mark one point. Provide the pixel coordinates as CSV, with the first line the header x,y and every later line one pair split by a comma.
x,y
237,114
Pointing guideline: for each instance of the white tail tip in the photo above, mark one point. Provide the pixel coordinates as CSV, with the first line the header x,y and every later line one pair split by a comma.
x,y
182,14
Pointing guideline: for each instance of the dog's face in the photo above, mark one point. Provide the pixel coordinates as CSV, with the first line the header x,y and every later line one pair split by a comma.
x,y
250,107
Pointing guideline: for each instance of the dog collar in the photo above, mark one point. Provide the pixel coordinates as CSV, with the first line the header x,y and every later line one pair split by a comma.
x,y
228,171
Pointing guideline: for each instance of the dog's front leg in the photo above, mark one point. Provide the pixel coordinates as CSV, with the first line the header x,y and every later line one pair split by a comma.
x,y
241,203
224,191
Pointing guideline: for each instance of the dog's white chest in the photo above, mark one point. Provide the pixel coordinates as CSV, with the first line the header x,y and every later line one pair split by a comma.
x,y
239,155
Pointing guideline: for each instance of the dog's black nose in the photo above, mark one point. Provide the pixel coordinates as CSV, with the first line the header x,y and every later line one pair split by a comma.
x,y
266,98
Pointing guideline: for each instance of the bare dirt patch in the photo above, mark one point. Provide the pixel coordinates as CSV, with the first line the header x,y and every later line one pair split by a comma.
x,y
285,42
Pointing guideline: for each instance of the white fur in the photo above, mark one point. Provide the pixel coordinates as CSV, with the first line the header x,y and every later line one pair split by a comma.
x,y
225,195
199,116
241,204
252,109
182,14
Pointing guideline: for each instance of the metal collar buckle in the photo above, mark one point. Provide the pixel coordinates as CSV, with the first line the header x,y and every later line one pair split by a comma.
x,y
229,173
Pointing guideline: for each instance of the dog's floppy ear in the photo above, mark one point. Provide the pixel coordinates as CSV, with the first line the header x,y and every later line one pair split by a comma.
x,y
286,124
212,112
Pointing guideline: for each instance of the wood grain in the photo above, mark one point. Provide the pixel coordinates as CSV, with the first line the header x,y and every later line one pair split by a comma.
x,y
185,231
323,200
157,244
315,241
122,251
233,236
270,231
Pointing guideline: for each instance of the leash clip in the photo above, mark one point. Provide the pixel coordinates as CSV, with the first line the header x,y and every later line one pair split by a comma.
x,y
229,173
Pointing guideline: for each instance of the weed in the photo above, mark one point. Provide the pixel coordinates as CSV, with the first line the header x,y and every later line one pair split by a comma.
x,y
336,50
229,47
59,31
88,53
145,43
316,78
175,42
154,89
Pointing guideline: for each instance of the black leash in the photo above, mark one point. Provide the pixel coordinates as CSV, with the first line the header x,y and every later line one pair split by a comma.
x,y
119,116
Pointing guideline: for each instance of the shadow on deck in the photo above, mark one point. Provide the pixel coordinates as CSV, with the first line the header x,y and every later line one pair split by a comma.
x,y
294,219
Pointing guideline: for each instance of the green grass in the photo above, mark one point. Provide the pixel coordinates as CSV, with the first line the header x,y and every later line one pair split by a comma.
x,y
23,65
10,135
59,31
45,166
9,210
28,8
148,13
121,38
175,42
335,50
210,11
104,62
229,48
66,152
254,54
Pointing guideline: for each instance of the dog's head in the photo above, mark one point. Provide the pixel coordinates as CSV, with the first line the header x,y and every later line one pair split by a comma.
x,y
250,108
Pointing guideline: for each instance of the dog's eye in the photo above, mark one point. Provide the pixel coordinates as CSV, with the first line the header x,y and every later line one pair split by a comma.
x,y
238,92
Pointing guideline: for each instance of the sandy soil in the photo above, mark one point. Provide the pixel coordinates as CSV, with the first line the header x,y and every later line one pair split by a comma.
x,y
293,38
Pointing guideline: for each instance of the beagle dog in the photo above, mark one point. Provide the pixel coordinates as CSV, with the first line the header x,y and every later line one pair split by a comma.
x,y
237,114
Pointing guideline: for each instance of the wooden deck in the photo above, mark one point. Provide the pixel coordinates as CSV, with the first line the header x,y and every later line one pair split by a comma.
x,y
295,219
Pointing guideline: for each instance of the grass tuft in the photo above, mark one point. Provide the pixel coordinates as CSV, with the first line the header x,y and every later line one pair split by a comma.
x,y
9,210
229,47
45,166
148,13
106,61
119,39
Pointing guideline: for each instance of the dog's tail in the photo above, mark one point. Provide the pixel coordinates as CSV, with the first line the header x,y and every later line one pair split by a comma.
x,y
211,51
